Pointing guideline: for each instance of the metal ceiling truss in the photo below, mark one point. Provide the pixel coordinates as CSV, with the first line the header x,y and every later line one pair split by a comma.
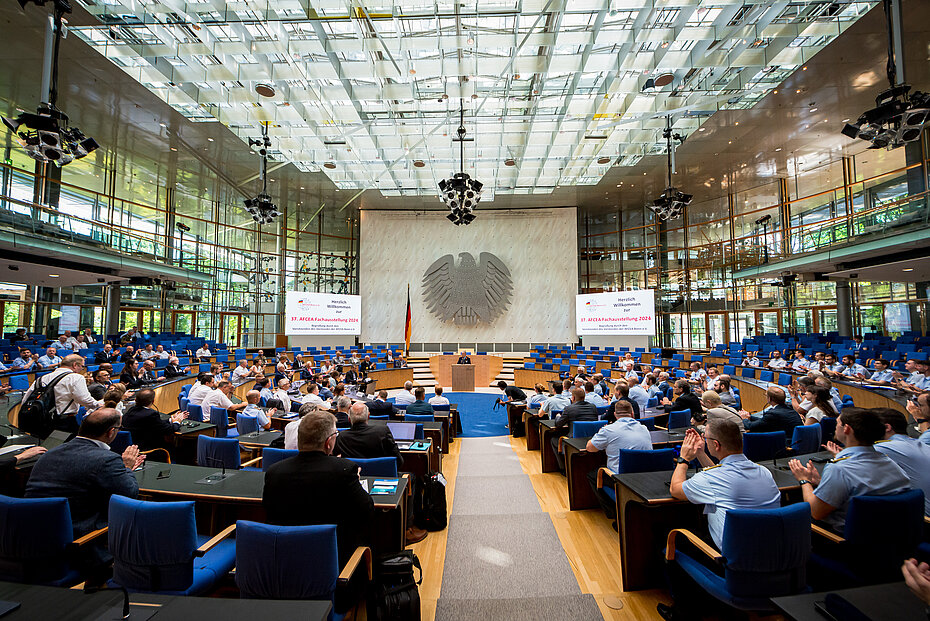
x,y
372,87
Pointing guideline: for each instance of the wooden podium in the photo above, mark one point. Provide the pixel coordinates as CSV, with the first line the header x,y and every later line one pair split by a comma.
x,y
463,377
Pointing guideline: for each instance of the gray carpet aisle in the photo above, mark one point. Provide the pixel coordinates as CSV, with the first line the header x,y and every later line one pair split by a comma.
x,y
503,556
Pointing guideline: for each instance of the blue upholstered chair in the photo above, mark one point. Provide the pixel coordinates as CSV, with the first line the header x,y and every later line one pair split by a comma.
x,y
220,418
156,548
271,456
419,418
246,424
652,402
679,419
630,461
377,466
121,442
37,545
828,428
379,417
860,556
19,382
806,439
218,452
586,428
750,569
183,403
649,422
195,413
293,562
762,446
785,379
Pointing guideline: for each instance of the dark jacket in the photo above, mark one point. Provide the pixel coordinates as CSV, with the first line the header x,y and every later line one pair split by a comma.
x,y
85,474
148,377
464,360
366,441
315,488
126,356
97,390
612,415
419,407
576,412
351,377
376,407
130,379
147,427
777,418
174,370
101,356
342,420
687,401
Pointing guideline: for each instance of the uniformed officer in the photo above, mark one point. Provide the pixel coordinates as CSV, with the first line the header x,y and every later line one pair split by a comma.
x,y
735,483
920,410
752,360
856,470
883,376
911,455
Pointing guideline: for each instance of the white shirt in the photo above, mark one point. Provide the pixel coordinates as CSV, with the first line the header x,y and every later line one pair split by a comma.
x,y
438,400
146,354
290,435
239,373
317,400
777,363
80,345
204,352
197,394
214,399
70,392
162,354
404,398
285,400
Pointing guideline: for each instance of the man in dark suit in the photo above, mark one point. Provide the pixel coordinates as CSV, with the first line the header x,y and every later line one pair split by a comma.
x,y
776,417
174,368
106,355
351,376
145,424
464,359
684,400
380,406
343,404
364,440
578,410
314,487
101,383
87,472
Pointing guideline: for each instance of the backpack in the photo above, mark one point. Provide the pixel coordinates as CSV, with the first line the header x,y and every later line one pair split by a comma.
x,y
429,502
396,596
38,414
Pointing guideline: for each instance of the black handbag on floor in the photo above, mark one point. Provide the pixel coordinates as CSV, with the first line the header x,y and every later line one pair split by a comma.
x,y
396,596
429,502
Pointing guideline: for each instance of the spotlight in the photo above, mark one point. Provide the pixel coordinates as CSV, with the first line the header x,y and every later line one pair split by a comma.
x,y
461,194
898,117
670,204
46,137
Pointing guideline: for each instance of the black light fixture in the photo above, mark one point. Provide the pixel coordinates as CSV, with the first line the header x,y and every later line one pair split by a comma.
x,y
899,116
262,210
672,202
46,135
460,193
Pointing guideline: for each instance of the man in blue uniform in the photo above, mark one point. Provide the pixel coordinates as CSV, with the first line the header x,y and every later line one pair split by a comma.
x,y
856,470
883,376
911,455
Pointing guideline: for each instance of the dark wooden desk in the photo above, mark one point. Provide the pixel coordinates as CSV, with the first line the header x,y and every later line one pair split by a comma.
x,y
239,497
515,418
881,602
42,602
667,439
547,431
420,462
183,442
646,512
578,462
531,420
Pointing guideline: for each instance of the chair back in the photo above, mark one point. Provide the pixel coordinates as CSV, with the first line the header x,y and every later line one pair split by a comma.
x,y
646,461
377,466
195,412
679,419
442,408
286,562
271,456
828,428
806,439
763,446
246,424
769,566
19,382
419,418
183,403
152,544
586,428
878,559
34,538
380,417
122,441
220,418
218,452
652,402
649,422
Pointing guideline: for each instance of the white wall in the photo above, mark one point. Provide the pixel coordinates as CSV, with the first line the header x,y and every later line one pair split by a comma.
x,y
538,246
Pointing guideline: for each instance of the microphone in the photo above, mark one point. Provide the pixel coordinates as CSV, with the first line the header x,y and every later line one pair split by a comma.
x,y
90,590
780,452
212,461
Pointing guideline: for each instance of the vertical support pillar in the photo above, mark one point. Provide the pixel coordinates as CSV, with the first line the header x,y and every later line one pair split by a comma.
x,y
664,309
844,317
112,311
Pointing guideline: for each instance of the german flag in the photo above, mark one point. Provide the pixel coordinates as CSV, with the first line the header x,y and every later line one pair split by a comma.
x,y
407,326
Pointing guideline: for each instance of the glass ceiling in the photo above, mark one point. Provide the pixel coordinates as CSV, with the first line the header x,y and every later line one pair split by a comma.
x,y
555,91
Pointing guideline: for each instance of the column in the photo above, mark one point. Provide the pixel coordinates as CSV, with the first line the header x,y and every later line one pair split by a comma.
x,y
112,316
844,308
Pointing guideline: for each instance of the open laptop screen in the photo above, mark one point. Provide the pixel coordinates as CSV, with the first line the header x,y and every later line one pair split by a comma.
x,y
403,431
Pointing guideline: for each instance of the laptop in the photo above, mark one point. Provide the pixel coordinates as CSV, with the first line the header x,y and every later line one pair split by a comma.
x,y
403,433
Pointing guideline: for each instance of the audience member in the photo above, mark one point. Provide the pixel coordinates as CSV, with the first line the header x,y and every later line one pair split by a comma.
x,y
579,409
366,441
70,391
174,368
777,362
101,381
776,416
717,410
539,395
252,409
145,424
621,394
911,455
343,404
50,359
201,388
405,397
821,405
106,355
281,395
624,433
219,398
419,406
380,406
438,399
555,403
684,399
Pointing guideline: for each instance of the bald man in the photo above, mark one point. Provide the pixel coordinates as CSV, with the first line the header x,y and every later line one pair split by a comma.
x,y
365,440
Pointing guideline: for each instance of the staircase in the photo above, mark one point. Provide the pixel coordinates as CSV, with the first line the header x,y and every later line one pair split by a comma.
x,y
422,376
511,362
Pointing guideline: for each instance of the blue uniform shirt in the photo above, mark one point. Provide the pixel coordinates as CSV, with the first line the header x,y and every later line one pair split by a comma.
x,y
595,400
735,483
857,471
624,433
883,376
555,402
925,437
253,410
913,457
45,361
854,369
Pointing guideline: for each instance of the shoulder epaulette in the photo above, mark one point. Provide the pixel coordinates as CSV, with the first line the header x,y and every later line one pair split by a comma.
x,y
710,467
882,441
836,459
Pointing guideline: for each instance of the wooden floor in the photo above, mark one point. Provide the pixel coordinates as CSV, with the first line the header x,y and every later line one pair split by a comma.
x,y
589,541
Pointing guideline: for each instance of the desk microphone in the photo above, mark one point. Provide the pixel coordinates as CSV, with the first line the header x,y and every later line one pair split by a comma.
x,y
780,452
214,476
90,590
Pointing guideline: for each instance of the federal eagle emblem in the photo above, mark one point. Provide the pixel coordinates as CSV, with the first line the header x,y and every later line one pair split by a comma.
x,y
467,293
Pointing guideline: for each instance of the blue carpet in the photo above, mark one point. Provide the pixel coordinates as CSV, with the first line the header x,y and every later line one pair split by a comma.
x,y
477,413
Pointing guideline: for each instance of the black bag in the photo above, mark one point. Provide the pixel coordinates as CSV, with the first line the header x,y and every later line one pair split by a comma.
x,y
38,414
429,502
397,597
